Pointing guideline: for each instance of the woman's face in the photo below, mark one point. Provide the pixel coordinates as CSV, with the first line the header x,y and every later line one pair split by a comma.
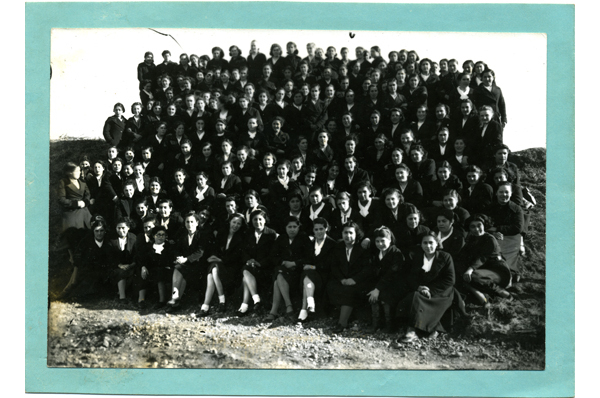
x,y
155,188
226,147
315,197
487,78
191,224
216,54
465,81
472,177
242,155
75,174
392,201
467,68
350,164
501,156
323,139
292,229
282,170
392,87
443,137
297,164
207,151
233,52
99,233
98,169
310,178
319,231
305,90
412,220
440,112
259,222
230,207
201,181
350,146
171,110
349,235
421,114
253,47
117,166
314,93
504,193
365,85
373,92
413,82
429,245
225,77
319,53
450,202
276,126
329,92
425,67
251,201
331,53
161,130
476,228
235,224
200,77
443,66
350,97
266,71
268,162
138,171
397,157
363,194
179,177
343,204
333,172
401,76
160,237
401,175
303,145
374,119
226,170
485,116
179,130
443,224
379,144
382,243
416,156
276,51
443,173
295,204
141,209
466,109
280,94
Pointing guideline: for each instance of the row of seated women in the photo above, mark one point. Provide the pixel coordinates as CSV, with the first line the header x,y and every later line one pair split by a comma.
x,y
198,235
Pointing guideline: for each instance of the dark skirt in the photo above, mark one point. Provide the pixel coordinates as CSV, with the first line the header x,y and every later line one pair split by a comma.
x,y
155,276
230,276
425,313
352,296
78,218
490,276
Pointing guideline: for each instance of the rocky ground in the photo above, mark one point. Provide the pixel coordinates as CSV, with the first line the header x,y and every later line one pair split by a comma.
x,y
92,332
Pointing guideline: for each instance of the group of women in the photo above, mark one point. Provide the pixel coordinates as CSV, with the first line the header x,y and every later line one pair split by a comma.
x,y
303,183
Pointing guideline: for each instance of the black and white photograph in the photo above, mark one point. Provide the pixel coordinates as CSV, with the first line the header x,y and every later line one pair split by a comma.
x,y
297,199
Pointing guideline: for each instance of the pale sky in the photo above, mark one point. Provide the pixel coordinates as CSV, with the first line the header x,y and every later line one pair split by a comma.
x,y
95,68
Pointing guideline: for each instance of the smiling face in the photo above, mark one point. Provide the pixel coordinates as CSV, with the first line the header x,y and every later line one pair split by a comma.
x,y
201,180
154,188
315,197
476,228
450,202
259,222
164,210
416,156
141,209
392,201
235,224
310,178
473,177
242,155
412,220
443,173
429,245
382,243
401,175
138,171
179,178
333,172
504,193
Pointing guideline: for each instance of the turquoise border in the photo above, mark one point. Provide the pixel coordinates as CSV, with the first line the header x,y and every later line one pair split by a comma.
x,y
557,21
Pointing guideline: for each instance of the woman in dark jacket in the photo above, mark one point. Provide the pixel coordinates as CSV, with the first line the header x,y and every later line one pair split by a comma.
x,y
388,264
115,126
351,274
257,264
480,264
477,197
487,93
431,280
416,96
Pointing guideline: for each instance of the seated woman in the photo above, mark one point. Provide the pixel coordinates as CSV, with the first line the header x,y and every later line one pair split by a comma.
x,y
477,197
388,264
179,192
368,207
290,252
351,274
280,187
223,265
423,169
154,263
376,159
343,213
155,193
318,206
323,155
508,225
451,237
411,230
90,262
443,181
452,201
257,262
315,271
202,196
121,257
410,188
246,167
430,280
352,175
481,265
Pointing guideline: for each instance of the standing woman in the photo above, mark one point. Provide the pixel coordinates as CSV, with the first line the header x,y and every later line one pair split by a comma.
x,y
217,62
74,197
431,283
483,269
236,61
256,61
361,60
462,92
315,271
257,262
488,93
508,224
416,96
351,274
276,61
114,126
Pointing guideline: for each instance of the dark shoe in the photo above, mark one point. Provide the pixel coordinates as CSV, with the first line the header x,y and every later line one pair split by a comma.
x,y
160,305
270,317
338,328
174,307
202,313
241,314
142,305
221,308
257,307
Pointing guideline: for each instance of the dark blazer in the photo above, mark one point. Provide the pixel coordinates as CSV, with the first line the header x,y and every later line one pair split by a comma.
x,y
455,242
315,115
482,148
299,251
113,131
440,278
127,256
323,158
479,199
425,132
390,271
233,186
358,268
423,172
408,239
207,202
201,242
174,226
125,208
255,66
467,130
88,255
413,192
507,219
239,119
360,176
495,99
69,194
415,99
261,250
434,190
